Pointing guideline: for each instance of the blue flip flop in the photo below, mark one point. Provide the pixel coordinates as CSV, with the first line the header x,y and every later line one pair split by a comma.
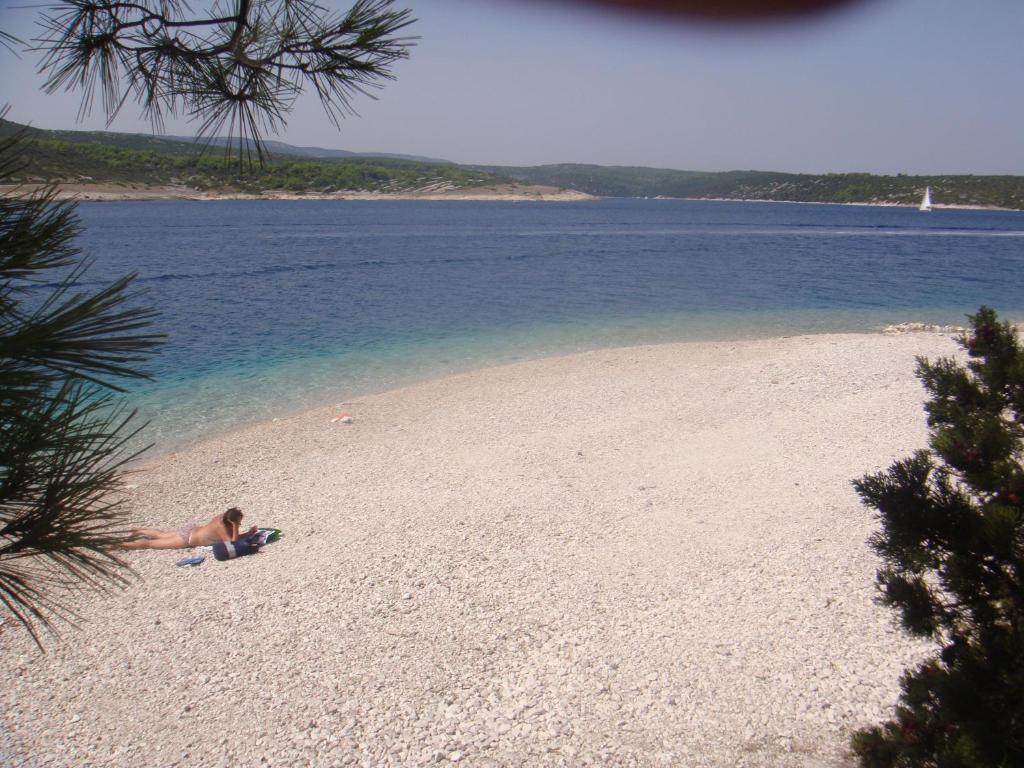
x,y
191,560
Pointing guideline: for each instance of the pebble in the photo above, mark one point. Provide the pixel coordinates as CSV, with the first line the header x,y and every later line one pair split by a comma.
x,y
553,625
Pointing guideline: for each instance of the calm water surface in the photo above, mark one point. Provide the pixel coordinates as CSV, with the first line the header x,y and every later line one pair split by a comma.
x,y
275,306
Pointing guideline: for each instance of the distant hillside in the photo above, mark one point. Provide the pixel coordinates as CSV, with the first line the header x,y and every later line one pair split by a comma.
x,y
280,148
186,145
104,157
621,181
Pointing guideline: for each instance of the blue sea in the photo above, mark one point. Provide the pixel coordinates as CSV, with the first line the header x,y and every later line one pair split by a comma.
x,y
275,306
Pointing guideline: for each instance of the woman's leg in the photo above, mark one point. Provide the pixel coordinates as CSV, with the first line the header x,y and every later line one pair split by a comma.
x,y
166,540
149,533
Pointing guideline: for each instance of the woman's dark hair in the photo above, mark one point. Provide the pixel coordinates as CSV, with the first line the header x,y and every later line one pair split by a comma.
x,y
232,519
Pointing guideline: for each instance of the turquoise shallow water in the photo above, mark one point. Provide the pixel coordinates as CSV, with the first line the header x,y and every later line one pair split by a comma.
x,y
272,307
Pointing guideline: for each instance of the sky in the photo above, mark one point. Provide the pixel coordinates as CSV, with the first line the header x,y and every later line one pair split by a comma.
x,y
882,86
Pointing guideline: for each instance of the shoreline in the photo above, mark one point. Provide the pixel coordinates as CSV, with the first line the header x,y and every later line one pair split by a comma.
x,y
643,555
155,455
115,192
935,206
128,192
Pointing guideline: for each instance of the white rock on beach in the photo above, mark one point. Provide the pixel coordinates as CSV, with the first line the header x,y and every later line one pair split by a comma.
x,y
647,556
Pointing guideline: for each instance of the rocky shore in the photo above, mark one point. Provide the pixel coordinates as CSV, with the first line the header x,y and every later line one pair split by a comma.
x,y
646,556
499,193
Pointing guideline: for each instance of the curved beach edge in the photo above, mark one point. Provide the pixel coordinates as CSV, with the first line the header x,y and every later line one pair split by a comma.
x,y
647,555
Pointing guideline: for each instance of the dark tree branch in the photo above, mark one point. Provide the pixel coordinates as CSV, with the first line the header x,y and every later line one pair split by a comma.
x,y
952,544
237,72
60,501
63,438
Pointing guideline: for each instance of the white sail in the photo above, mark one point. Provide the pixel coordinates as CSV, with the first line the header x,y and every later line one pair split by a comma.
x,y
926,201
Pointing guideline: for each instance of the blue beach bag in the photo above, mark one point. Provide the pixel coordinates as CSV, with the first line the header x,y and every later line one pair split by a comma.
x,y
231,549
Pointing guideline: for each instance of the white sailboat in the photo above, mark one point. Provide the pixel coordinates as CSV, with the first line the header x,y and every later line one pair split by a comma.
x,y
926,201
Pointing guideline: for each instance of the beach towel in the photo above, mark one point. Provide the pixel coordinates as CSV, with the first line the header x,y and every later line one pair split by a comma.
x,y
268,535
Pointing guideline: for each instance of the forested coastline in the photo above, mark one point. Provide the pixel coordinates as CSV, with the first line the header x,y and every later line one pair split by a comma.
x,y
79,157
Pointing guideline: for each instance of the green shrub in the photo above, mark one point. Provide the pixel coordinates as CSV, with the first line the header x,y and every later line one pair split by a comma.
x,y
952,545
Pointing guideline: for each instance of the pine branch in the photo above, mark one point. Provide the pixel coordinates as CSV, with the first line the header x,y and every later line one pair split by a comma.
x,y
61,507
238,73
63,436
952,546
94,337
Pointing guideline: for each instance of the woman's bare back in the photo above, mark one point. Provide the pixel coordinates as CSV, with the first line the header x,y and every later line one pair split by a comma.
x,y
213,532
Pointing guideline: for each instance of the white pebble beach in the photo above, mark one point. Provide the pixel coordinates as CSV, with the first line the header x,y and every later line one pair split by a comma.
x,y
648,556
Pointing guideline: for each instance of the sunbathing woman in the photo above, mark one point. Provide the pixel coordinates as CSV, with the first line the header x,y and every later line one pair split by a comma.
x,y
226,527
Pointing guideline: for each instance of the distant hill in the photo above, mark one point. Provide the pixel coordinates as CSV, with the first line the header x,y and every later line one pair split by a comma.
x,y
624,181
280,148
103,156
187,145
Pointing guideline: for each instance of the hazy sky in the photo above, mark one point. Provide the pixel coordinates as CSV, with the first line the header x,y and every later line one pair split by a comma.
x,y
888,86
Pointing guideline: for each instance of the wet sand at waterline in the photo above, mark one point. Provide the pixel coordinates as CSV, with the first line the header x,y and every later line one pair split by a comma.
x,y
639,556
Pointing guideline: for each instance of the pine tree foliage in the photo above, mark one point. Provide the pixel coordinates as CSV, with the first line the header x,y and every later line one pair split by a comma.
x,y
952,545
63,432
237,68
